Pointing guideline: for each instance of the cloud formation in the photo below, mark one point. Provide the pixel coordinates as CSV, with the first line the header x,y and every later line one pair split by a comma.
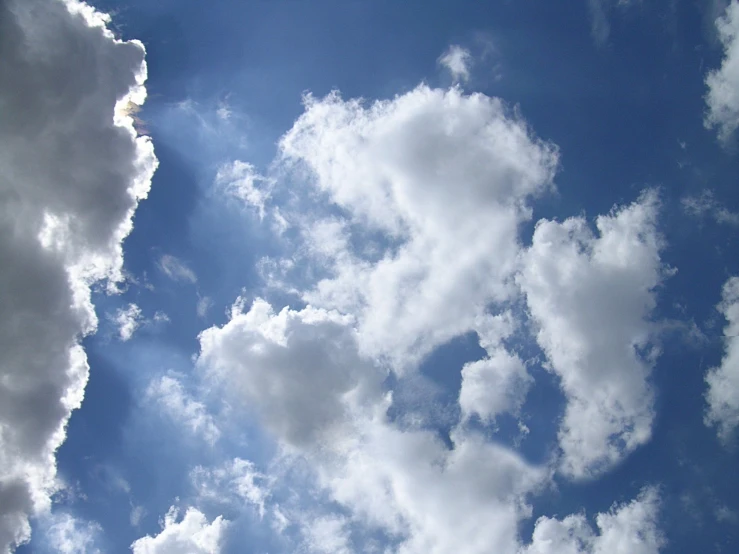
x,y
67,534
706,205
403,483
457,60
591,298
617,531
722,98
128,319
169,394
723,381
192,534
434,184
72,171
176,269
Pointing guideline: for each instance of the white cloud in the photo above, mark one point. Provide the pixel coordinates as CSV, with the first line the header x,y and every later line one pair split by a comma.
x,y
499,382
241,180
591,298
627,529
170,395
706,205
236,478
128,319
723,381
71,174
405,484
457,60
295,368
176,269
192,534
67,534
327,535
723,83
440,182
494,385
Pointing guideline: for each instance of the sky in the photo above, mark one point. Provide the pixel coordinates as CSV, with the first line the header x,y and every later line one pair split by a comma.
x,y
369,277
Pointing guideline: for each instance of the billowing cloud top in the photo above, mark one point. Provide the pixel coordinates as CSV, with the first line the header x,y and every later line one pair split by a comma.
x,y
434,351
72,171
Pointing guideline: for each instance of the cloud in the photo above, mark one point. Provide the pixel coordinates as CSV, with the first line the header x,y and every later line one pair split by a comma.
x,y
237,478
722,98
192,534
723,381
176,269
499,382
706,205
591,298
303,373
293,367
434,184
67,534
72,171
241,180
168,393
617,531
457,61
128,319
600,26
204,304
328,535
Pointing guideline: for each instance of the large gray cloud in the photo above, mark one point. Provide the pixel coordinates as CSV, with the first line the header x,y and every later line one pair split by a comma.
x,y
72,171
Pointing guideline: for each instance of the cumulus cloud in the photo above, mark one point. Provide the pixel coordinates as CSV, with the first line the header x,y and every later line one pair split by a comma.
x,y
457,60
72,171
591,298
407,485
617,530
723,381
170,395
499,382
435,184
176,269
192,534
722,99
296,368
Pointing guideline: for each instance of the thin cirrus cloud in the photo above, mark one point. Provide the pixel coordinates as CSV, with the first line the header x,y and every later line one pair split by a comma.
x,y
67,205
176,269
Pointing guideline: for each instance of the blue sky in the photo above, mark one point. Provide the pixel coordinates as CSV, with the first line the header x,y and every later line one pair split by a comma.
x,y
322,277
